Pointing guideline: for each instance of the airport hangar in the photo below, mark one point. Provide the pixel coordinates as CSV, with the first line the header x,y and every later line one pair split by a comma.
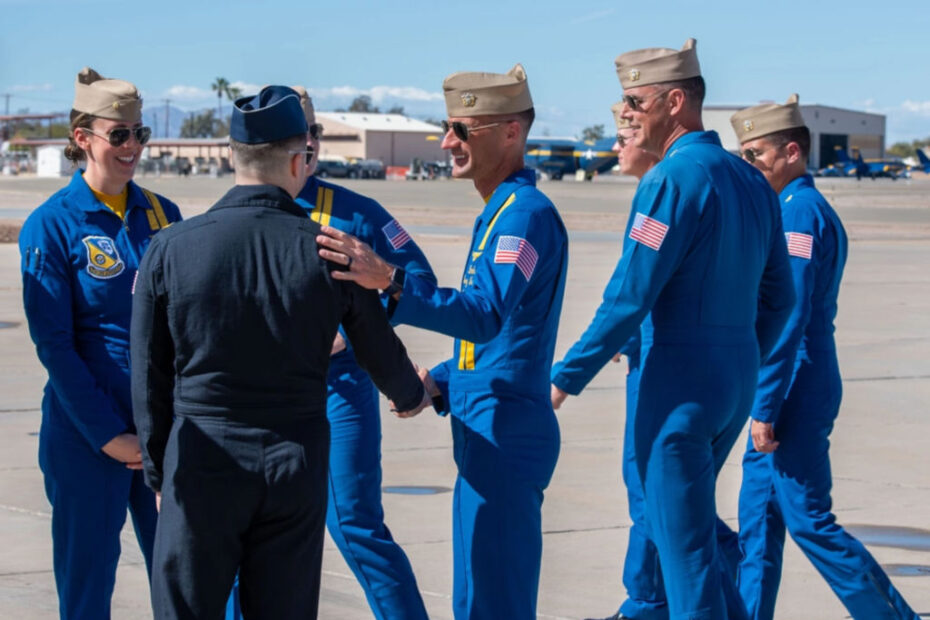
x,y
830,128
393,138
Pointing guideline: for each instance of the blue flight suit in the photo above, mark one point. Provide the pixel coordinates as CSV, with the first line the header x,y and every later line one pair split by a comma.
x,y
799,391
79,261
355,517
705,264
505,433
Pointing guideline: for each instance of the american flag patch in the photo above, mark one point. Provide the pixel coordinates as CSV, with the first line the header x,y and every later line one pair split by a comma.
x,y
517,251
799,244
648,231
396,235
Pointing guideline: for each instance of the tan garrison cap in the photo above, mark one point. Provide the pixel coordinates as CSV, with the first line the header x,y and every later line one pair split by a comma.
x,y
471,93
305,102
617,109
761,120
98,96
657,64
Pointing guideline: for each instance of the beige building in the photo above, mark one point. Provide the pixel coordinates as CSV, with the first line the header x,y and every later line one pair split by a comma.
x,y
830,128
393,138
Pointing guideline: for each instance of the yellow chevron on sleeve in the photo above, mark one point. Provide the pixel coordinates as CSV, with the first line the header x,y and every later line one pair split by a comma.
x,y
323,210
466,355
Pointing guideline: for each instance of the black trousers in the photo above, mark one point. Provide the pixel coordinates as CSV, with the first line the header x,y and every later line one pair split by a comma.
x,y
246,497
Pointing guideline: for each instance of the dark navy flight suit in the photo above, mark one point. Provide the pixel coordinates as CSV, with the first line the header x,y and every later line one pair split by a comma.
x,y
505,434
799,391
705,264
78,263
355,517
233,323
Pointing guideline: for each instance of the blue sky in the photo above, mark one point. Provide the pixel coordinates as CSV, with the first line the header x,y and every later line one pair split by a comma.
x,y
862,55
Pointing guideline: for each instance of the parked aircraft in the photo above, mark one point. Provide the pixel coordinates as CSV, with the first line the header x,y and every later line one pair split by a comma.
x,y
558,157
924,161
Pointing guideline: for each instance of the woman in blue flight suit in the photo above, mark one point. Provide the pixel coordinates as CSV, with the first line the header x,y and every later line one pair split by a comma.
x,y
80,252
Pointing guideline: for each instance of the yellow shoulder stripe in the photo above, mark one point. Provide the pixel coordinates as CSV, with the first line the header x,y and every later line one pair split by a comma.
x,y
156,215
323,210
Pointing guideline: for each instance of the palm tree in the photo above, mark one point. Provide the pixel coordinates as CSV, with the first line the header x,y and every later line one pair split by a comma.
x,y
221,86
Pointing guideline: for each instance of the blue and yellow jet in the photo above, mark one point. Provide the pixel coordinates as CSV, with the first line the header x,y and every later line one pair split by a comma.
x,y
558,157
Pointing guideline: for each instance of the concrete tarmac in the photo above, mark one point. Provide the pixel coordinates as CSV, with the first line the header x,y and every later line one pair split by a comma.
x,y
880,446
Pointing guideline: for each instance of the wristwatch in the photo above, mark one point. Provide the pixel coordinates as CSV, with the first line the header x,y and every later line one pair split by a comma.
x,y
397,282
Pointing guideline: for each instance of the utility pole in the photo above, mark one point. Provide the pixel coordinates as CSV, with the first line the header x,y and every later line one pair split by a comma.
x,y
6,123
167,115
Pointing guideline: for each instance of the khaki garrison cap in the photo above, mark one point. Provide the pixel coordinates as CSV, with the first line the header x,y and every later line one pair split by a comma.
x,y
657,64
617,109
98,96
761,120
305,102
481,94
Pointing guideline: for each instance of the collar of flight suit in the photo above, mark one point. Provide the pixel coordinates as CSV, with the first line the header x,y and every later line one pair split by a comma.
x,y
87,202
508,186
796,184
270,196
694,137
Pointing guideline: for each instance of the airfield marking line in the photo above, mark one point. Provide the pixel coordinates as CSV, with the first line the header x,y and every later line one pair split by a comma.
x,y
26,511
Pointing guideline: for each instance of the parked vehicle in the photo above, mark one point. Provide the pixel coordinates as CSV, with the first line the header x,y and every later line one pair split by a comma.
x,y
332,168
367,169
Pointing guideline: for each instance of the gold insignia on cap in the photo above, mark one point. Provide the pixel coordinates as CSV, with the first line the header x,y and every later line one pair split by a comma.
x,y
747,125
469,100
634,75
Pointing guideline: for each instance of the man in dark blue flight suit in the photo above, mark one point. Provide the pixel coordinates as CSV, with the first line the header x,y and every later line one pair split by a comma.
x,y
504,319
704,263
234,318
786,468
355,517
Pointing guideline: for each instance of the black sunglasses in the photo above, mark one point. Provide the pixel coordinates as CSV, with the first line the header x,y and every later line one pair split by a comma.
x,y
315,130
636,103
461,130
751,155
120,135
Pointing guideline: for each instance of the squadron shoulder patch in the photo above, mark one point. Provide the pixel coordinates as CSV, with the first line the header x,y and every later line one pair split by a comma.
x,y
103,260
800,244
648,231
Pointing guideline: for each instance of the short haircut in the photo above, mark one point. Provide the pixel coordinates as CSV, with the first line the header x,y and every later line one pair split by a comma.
x,y
526,118
694,89
801,135
268,157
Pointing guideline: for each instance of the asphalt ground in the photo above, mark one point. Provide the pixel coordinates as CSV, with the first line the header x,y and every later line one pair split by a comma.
x,y
880,446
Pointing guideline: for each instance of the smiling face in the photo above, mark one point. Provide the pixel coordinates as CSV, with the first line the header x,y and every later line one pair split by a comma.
x,y
109,168
477,157
648,116
633,160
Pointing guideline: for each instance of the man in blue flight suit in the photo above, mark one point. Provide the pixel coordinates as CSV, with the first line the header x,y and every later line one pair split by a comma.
x,y
642,576
504,319
355,517
234,318
705,264
80,252
786,468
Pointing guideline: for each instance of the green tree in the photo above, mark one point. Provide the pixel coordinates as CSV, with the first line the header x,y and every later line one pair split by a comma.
x,y
362,103
592,133
220,87
203,125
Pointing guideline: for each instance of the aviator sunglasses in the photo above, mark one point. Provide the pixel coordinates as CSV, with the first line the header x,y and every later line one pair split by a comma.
x,y
308,153
636,103
461,130
120,135
315,130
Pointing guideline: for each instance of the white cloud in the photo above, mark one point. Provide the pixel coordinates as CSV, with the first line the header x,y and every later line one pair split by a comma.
x,y
187,93
921,108
32,88
246,88
378,94
590,17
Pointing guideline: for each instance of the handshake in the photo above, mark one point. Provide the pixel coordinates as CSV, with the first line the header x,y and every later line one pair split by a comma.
x,y
430,390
